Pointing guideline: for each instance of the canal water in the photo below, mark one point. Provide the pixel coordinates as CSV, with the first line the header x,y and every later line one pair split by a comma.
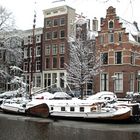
x,y
14,127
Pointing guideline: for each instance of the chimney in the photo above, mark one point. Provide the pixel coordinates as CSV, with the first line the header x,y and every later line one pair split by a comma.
x,y
95,24
136,25
101,20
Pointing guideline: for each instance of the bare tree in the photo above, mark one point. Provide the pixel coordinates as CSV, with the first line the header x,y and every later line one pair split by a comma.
x,y
7,22
83,62
10,44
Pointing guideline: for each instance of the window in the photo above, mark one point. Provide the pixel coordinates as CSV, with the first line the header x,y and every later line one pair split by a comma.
x,y
104,82
62,48
55,22
48,35
132,58
54,62
55,12
111,24
118,82
48,79
48,13
38,50
48,48
101,39
30,38
81,109
61,62
72,109
54,35
38,65
47,62
104,57
62,34
54,52
111,37
120,36
38,38
62,80
62,108
54,79
118,57
38,81
25,66
62,21
132,82
48,23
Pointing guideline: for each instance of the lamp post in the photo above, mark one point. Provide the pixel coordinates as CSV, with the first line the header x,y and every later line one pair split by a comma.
x,y
114,83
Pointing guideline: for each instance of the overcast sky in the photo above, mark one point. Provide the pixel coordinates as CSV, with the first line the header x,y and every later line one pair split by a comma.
x,y
23,10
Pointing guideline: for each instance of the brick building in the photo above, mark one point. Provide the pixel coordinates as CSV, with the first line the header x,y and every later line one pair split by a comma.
x,y
58,25
37,64
118,45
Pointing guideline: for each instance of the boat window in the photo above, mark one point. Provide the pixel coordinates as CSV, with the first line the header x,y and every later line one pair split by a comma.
x,y
81,109
72,108
62,108
51,108
93,108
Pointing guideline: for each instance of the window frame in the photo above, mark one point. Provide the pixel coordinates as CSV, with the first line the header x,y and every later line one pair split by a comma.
x,y
111,37
118,82
104,80
111,24
118,59
104,59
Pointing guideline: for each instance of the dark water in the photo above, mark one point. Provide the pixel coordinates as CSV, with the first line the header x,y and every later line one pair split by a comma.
x,y
28,128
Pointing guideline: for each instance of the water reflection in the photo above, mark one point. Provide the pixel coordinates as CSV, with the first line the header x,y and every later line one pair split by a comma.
x,y
40,129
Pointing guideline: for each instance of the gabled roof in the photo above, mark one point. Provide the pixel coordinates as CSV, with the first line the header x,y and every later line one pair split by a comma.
x,y
130,28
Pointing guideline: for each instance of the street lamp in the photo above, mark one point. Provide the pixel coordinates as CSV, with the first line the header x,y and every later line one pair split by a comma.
x,y
114,77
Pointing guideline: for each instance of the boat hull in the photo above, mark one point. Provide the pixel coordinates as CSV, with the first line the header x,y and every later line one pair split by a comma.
x,y
126,115
40,110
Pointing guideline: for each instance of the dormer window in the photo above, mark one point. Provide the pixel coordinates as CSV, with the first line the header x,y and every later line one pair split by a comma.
x,y
120,36
111,24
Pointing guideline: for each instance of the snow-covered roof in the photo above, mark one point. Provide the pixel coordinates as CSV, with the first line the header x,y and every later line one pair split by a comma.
x,y
44,95
61,95
130,28
103,95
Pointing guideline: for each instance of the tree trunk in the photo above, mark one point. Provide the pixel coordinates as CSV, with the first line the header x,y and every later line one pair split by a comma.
x,y
82,92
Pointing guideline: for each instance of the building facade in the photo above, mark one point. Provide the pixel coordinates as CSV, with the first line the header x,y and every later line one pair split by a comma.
x,y
118,46
58,25
36,62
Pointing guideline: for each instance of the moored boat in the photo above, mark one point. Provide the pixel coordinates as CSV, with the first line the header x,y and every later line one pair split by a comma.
x,y
84,109
14,105
89,109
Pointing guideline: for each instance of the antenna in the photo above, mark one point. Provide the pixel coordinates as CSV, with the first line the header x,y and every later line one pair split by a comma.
x,y
33,53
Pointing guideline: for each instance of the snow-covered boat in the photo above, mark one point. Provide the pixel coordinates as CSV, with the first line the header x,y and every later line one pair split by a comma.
x,y
90,109
18,106
84,109
14,105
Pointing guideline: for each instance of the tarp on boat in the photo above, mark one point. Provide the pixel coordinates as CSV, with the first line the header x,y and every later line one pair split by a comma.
x,y
104,95
44,95
61,95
